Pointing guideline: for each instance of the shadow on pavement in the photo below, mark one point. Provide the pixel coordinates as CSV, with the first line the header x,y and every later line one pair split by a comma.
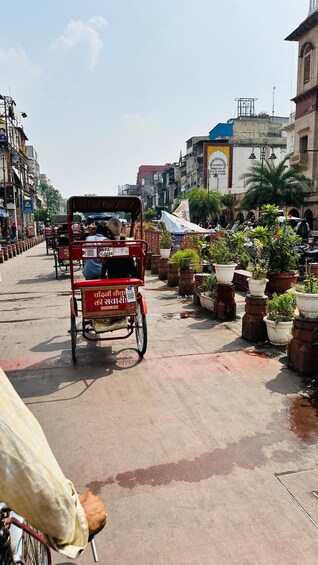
x,y
286,382
58,373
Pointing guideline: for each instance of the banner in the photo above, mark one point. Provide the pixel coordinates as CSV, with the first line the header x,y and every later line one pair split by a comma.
x,y
183,210
27,206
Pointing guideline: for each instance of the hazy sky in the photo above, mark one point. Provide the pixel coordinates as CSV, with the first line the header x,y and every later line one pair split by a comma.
x,y
109,85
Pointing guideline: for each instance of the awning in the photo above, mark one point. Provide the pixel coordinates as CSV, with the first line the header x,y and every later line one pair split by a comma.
x,y
178,225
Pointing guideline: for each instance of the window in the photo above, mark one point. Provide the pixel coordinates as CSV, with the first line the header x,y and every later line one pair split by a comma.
x,y
303,144
307,63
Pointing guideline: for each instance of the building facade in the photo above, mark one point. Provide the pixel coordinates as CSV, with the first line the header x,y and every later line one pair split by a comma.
x,y
305,127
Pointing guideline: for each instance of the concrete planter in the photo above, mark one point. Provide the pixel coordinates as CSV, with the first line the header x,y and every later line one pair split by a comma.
x,y
164,253
257,287
307,304
206,301
278,334
224,273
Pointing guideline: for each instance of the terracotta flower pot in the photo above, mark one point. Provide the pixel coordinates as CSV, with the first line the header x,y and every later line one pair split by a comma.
x,y
280,282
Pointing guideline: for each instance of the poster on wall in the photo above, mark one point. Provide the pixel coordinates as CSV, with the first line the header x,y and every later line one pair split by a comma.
x,y
218,167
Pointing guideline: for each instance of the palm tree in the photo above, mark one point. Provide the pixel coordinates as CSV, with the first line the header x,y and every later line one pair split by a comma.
x,y
229,201
203,205
274,184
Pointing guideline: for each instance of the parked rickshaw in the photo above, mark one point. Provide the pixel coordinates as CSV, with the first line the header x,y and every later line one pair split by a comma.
x,y
107,305
60,241
48,234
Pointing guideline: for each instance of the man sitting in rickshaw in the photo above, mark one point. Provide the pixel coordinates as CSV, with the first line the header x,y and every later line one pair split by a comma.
x,y
124,267
93,267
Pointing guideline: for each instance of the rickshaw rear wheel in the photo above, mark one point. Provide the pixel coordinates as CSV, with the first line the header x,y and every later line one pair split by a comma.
x,y
141,331
56,266
73,332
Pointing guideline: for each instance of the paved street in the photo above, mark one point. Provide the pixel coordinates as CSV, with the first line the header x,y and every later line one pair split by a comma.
x,y
204,452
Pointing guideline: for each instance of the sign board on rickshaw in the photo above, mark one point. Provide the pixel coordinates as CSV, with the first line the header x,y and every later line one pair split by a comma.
x,y
114,301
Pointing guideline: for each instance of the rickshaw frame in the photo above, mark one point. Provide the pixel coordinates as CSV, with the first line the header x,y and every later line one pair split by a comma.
x,y
104,298
61,252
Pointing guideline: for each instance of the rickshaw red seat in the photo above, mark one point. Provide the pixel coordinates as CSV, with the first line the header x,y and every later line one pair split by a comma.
x,y
109,282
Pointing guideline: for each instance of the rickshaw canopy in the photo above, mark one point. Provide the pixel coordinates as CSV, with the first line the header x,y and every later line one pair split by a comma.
x,y
97,204
62,219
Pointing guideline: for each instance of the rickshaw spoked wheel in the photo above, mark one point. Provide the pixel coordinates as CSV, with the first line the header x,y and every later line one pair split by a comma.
x,y
141,330
73,332
63,268
56,266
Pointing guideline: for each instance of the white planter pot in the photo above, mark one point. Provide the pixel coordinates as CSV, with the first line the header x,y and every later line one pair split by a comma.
x,y
165,253
206,301
278,334
224,273
307,304
257,287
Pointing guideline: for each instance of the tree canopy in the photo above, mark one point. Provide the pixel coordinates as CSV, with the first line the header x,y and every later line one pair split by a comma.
x,y
203,205
269,183
55,202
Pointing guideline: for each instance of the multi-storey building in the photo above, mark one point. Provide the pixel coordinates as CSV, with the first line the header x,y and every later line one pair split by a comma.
x,y
306,117
14,187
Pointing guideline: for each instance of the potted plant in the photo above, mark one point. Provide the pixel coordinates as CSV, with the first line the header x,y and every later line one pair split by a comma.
x,y
279,320
307,298
257,282
186,259
165,244
222,258
207,292
188,262
278,245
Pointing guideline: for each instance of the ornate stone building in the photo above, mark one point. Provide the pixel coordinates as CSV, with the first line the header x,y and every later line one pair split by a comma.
x,y
306,100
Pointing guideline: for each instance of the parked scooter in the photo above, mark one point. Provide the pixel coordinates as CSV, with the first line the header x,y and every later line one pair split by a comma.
x,y
306,255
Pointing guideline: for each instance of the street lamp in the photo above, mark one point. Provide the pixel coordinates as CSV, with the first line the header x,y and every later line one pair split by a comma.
x,y
272,157
216,176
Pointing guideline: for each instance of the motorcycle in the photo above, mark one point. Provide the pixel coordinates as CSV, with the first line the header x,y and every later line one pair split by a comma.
x,y
306,255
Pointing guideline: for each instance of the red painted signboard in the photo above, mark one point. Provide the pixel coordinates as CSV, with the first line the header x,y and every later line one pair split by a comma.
x,y
110,301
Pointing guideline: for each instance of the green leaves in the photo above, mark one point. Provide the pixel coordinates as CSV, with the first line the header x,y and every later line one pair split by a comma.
x,y
274,184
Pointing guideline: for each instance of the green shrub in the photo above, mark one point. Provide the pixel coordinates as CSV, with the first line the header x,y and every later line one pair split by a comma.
x,y
281,308
177,259
166,241
209,285
220,253
310,286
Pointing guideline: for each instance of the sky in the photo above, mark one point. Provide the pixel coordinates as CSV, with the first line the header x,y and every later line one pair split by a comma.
x,y
109,85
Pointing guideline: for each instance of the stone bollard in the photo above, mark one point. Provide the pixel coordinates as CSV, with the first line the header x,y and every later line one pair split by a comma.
x,y
253,325
186,282
10,250
173,275
163,269
148,260
14,249
224,303
155,264
1,254
302,353
5,252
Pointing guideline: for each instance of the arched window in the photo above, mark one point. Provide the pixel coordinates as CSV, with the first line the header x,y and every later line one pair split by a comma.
x,y
307,62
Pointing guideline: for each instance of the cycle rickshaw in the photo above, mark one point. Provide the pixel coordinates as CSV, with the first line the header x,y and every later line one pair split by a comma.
x,y
60,241
107,305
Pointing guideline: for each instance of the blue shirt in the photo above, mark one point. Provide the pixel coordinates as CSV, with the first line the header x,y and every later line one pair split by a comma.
x,y
92,267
